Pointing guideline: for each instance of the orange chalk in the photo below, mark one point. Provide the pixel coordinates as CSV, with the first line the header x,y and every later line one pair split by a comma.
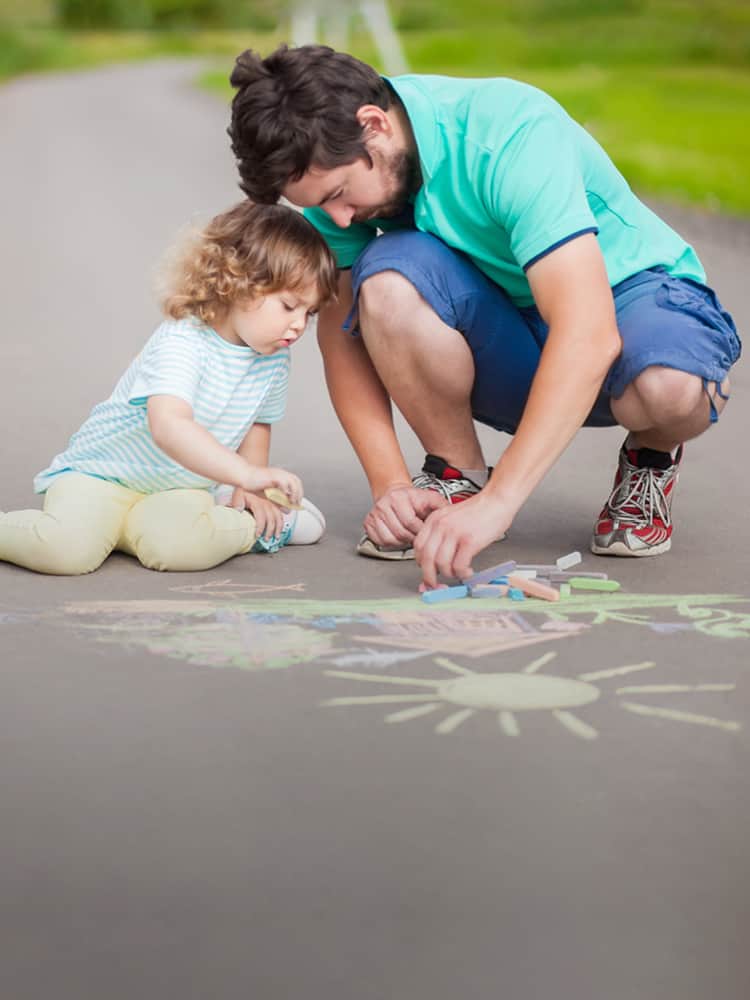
x,y
532,588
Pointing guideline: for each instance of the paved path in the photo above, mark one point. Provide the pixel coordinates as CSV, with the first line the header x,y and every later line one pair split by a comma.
x,y
174,830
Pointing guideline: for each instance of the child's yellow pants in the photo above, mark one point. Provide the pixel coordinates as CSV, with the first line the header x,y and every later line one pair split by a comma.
x,y
85,518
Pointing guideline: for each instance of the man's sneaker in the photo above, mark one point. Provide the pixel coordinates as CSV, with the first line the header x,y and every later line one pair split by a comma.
x,y
301,527
436,475
637,517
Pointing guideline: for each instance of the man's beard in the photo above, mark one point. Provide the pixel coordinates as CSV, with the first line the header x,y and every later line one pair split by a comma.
x,y
402,169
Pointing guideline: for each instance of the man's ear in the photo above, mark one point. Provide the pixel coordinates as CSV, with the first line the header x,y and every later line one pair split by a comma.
x,y
374,121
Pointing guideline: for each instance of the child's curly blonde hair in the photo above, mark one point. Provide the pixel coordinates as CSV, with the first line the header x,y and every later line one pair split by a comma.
x,y
247,251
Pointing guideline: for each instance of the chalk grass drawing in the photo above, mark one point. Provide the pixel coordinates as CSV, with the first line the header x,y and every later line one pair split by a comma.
x,y
717,615
281,631
227,588
510,694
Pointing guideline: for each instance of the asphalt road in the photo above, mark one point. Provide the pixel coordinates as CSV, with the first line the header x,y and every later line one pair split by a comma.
x,y
198,800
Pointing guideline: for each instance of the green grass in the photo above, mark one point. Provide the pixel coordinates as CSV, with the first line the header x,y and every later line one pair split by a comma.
x,y
680,132
664,85
28,50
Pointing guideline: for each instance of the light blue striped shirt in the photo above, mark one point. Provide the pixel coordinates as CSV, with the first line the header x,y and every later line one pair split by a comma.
x,y
229,388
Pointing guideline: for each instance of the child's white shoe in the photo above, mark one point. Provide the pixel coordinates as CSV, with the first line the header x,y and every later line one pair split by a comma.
x,y
301,527
306,526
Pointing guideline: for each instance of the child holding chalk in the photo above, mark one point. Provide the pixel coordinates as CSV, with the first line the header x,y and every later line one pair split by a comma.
x,y
173,467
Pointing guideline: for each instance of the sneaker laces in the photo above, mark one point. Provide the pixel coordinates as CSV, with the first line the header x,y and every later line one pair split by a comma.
x,y
448,487
640,498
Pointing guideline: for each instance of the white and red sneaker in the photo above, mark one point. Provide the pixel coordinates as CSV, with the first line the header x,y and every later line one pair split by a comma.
x,y
637,517
436,475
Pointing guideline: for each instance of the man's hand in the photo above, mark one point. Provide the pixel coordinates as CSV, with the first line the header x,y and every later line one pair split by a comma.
x,y
450,538
399,514
269,517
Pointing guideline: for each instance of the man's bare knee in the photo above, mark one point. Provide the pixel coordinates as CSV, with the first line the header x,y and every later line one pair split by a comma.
x,y
669,395
387,295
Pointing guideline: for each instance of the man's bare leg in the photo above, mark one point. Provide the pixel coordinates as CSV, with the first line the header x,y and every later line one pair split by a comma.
x,y
426,367
663,407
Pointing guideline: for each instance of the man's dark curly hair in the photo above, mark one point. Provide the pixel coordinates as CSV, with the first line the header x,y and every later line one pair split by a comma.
x,y
295,109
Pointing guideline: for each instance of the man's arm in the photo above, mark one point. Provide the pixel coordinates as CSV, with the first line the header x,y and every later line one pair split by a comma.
x,y
358,396
572,292
573,295
364,410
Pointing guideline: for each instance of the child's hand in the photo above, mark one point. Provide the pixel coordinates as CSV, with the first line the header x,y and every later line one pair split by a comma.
x,y
260,478
269,518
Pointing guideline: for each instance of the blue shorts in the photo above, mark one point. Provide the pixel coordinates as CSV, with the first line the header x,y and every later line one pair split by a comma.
x,y
673,322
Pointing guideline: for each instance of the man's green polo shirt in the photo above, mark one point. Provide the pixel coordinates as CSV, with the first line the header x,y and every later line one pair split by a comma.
x,y
507,176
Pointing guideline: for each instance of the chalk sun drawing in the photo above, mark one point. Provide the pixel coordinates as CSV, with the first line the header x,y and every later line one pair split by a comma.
x,y
508,694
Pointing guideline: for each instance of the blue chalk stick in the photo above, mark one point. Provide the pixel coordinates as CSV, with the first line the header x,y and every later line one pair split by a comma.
x,y
445,594
516,595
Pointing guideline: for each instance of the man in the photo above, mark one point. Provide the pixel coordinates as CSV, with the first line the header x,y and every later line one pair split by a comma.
x,y
517,281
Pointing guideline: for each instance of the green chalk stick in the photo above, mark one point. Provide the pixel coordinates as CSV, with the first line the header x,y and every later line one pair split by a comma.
x,y
588,583
564,590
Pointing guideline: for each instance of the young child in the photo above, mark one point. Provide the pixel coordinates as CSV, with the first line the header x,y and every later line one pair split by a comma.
x,y
187,428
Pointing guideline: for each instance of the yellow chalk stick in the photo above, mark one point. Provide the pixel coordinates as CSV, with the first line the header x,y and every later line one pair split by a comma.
x,y
275,495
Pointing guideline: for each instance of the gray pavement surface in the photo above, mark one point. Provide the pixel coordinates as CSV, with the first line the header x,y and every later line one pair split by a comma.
x,y
185,814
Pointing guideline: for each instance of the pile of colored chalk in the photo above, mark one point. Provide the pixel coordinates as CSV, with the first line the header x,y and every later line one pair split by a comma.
x,y
517,582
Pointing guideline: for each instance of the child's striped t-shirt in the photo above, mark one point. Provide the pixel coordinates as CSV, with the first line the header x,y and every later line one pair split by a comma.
x,y
229,388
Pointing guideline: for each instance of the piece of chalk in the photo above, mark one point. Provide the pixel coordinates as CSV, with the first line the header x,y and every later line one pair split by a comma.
x,y
587,583
499,580
539,567
445,594
489,590
492,573
516,594
527,574
571,559
562,576
534,588
564,590
279,497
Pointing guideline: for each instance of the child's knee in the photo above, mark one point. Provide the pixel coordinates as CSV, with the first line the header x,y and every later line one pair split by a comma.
x,y
188,535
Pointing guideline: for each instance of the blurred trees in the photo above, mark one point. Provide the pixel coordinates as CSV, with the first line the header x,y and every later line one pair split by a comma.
x,y
168,14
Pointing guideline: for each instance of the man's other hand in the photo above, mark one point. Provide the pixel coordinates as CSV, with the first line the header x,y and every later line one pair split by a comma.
x,y
399,514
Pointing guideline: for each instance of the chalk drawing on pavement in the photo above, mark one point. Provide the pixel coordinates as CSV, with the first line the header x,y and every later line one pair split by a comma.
x,y
509,695
223,623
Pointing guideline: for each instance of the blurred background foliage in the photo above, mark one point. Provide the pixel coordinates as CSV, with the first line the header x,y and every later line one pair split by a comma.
x,y
664,85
